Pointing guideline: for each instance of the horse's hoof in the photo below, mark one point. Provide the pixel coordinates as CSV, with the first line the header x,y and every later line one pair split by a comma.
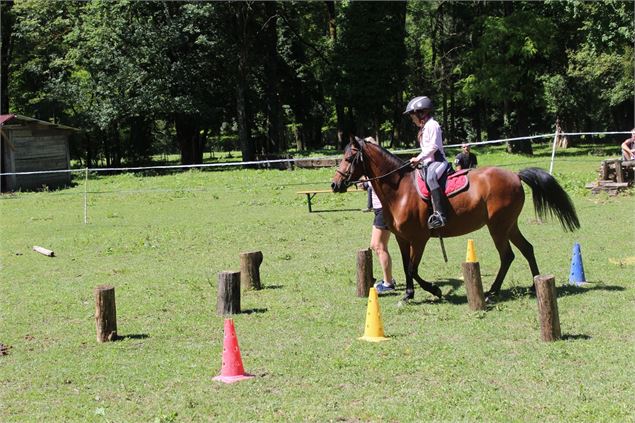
x,y
490,297
407,297
437,291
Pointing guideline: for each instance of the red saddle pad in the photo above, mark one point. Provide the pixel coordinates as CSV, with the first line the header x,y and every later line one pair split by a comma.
x,y
456,183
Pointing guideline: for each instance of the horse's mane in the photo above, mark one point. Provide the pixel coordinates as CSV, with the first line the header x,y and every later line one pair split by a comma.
x,y
387,158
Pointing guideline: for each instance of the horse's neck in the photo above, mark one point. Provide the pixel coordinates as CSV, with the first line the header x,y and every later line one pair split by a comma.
x,y
387,187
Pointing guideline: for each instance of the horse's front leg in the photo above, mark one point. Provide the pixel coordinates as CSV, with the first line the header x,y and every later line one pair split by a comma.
x,y
404,247
430,287
416,252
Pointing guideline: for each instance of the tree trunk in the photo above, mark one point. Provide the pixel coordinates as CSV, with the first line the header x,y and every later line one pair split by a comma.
x,y
274,110
5,54
476,119
521,127
244,130
188,139
140,139
342,128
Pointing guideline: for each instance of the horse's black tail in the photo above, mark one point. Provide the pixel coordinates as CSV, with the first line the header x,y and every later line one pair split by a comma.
x,y
550,198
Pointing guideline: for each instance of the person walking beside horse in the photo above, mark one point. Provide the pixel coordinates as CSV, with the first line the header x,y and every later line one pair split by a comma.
x,y
432,155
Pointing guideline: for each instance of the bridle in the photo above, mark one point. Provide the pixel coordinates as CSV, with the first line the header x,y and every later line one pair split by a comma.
x,y
356,158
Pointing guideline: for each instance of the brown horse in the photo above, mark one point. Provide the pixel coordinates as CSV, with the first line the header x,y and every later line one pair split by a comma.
x,y
495,198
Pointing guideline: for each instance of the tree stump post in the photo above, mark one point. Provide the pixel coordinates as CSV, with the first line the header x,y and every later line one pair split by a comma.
x,y
473,285
604,171
364,272
105,313
250,269
547,307
619,172
228,300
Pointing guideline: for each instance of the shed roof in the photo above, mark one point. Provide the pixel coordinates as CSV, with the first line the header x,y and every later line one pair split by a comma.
x,y
25,119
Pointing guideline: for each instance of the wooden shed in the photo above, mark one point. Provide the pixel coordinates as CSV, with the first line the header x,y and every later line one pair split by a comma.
x,y
32,145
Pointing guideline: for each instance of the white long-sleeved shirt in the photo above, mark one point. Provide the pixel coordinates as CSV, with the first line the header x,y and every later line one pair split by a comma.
x,y
430,139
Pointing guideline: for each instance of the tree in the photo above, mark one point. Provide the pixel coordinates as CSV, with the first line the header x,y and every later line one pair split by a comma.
x,y
371,53
7,20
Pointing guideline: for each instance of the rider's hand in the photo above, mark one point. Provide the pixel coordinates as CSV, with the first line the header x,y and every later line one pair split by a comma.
x,y
414,161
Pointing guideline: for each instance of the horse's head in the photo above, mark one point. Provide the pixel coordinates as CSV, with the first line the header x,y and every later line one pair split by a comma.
x,y
351,168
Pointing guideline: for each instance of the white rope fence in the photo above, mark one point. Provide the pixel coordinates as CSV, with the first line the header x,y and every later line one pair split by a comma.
x,y
86,170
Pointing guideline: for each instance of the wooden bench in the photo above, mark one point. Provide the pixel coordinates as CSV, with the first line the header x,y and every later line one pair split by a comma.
x,y
311,193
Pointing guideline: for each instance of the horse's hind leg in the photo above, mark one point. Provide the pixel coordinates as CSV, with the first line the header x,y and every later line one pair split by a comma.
x,y
501,241
525,248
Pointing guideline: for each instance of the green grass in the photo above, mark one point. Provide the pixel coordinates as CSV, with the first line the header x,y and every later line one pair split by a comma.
x,y
162,240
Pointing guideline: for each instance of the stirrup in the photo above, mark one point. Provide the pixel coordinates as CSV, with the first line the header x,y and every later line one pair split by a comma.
x,y
436,220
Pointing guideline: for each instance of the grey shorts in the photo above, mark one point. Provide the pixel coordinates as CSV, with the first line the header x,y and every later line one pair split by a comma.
x,y
379,219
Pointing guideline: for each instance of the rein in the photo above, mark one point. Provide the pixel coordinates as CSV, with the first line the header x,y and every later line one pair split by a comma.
x,y
357,158
382,176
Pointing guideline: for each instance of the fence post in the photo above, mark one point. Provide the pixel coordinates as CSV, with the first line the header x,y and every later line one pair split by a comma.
x,y
473,285
553,150
250,269
364,272
86,196
228,298
547,307
105,313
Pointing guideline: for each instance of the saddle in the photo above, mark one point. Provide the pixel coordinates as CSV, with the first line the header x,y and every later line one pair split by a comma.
x,y
455,183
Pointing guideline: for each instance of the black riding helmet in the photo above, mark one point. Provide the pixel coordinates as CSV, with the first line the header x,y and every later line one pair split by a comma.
x,y
418,103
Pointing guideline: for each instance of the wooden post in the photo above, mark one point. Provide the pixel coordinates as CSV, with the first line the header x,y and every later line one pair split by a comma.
x,y
364,272
473,285
619,172
547,307
105,313
250,269
228,300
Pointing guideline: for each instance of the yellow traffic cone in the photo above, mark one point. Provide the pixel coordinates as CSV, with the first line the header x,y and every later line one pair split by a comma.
x,y
374,331
470,257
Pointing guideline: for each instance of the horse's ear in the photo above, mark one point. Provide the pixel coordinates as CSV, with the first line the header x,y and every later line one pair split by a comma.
x,y
355,141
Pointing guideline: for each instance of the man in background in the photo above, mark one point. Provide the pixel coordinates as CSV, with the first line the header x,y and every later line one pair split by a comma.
x,y
465,159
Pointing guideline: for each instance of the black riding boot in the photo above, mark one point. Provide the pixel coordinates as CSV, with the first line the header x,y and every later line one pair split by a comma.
x,y
437,219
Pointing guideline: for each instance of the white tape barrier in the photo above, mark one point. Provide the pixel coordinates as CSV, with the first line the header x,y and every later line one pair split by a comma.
x,y
262,162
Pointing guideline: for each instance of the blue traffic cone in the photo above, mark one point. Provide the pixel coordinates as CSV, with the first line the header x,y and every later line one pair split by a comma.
x,y
577,268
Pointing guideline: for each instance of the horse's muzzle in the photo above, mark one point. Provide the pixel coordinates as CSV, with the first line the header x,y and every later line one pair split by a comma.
x,y
338,187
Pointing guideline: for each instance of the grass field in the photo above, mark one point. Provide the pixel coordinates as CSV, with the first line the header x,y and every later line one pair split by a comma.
x,y
161,241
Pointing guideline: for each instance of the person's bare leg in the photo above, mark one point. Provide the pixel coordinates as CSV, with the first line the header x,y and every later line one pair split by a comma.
x,y
379,244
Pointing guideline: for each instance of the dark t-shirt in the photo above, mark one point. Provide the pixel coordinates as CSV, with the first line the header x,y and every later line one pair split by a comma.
x,y
465,161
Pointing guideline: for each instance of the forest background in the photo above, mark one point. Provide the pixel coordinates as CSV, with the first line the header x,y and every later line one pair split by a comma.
x,y
142,78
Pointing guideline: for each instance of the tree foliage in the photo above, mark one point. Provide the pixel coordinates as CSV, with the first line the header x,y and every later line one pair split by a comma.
x,y
148,77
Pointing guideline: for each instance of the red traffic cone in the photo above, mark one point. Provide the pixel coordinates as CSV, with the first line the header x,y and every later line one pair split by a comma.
x,y
232,370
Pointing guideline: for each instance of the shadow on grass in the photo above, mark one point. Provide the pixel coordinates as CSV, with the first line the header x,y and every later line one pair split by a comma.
x,y
563,290
273,287
132,336
254,311
509,294
574,337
